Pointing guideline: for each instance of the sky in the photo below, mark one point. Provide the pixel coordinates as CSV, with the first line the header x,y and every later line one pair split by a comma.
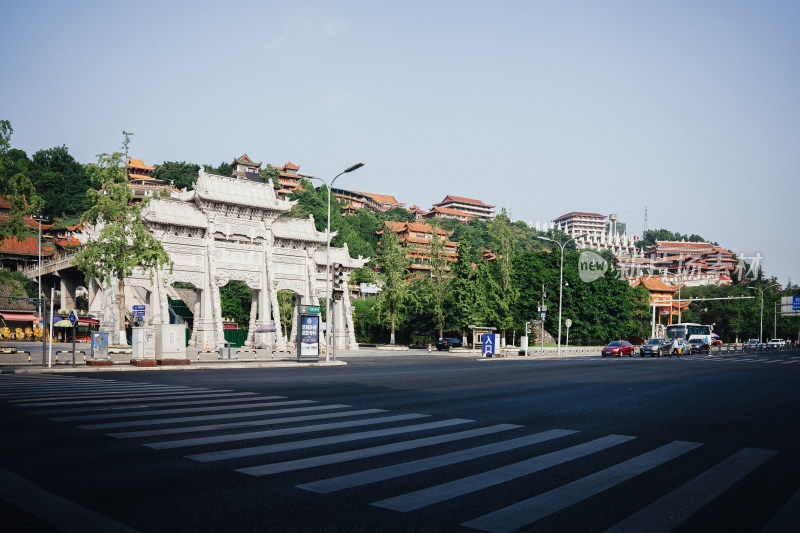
x,y
688,108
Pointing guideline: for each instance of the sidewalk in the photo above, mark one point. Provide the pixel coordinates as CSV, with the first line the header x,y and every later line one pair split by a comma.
x,y
28,359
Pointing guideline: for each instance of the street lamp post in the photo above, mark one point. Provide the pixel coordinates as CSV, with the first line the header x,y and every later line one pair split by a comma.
x,y
560,280
761,329
40,219
328,294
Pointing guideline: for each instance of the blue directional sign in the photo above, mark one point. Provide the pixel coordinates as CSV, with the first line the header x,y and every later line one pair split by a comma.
x,y
488,345
796,303
73,318
542,314
138,310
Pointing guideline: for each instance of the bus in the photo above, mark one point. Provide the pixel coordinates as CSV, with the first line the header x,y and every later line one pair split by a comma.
x,y
689,332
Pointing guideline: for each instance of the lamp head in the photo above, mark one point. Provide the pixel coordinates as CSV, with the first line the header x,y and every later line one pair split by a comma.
x,y
354,167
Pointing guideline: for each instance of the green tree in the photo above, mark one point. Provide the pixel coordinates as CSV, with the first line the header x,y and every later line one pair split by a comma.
x,y
123,242
394,274
462,291
15,188
270,173
503,241
235,300
181,175
436,287
61,181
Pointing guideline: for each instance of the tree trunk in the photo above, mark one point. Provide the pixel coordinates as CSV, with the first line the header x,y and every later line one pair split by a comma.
x,y
391,338
121,287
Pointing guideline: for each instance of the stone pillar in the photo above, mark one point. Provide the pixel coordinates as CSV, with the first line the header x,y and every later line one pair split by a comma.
x,y
351,343
67,288
298,300
251,327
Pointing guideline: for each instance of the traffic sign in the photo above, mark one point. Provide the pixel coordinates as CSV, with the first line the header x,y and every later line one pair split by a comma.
x,y
488,344
796,303
139,310
73,318
568,323
309,309
542,314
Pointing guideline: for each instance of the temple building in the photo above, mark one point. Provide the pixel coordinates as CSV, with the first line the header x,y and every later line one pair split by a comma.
x,y
415,238
288,180
375,202
244,168
143,184
21,254
663,301
467,207
446,212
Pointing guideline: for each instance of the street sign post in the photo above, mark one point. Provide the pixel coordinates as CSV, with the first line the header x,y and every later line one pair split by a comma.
x,y
568,323
73,319
488,345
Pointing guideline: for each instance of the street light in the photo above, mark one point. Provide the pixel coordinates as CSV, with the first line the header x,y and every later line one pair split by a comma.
x,y
561,280
761,330
328,295
40,219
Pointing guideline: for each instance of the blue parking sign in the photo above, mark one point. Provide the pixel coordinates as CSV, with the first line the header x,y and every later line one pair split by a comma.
x,y
488,345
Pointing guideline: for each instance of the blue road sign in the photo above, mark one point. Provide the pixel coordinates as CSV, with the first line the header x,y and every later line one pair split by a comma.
x,y
796,303
542,314
488,344
73,318
139,310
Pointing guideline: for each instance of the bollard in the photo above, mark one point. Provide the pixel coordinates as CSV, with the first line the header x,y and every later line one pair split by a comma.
x,y
429,348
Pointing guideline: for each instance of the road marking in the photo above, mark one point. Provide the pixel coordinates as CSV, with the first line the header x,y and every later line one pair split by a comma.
x,y
96,392
310,443
529,511
147,402
199,441
669,512
446,491
787,518
52,509
203,418
336,458
358,479
242,424
183,410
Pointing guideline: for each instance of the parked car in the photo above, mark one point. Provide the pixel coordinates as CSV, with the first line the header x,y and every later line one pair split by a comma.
x,y
699,346
776,343
447,343
655,347
752,344
618,349
683,348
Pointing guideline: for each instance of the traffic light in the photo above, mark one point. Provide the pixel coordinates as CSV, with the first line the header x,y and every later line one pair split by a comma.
x,y
338,275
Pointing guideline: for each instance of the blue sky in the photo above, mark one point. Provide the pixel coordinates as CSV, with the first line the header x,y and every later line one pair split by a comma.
x,y
690,108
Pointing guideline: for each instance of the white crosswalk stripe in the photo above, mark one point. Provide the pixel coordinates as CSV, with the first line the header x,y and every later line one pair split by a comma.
x,y
165,417
389,472
529,511
668,512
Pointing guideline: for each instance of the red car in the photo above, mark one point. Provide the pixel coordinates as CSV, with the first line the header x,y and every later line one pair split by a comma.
x,y
618,349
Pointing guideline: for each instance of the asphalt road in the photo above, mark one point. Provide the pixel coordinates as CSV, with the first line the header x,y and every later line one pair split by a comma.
x,y
418,442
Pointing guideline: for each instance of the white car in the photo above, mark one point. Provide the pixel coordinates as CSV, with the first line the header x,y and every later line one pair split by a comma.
x,y
776,343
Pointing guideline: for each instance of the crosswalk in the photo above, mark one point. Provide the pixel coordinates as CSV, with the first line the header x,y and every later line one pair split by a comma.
x,y
760,359
264,435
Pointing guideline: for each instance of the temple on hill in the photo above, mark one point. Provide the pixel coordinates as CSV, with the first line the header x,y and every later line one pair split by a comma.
x,y
375,202
288,180
244,168
143,184
416,238
467,207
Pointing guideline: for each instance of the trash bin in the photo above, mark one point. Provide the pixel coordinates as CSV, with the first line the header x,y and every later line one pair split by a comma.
x,y
226,352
